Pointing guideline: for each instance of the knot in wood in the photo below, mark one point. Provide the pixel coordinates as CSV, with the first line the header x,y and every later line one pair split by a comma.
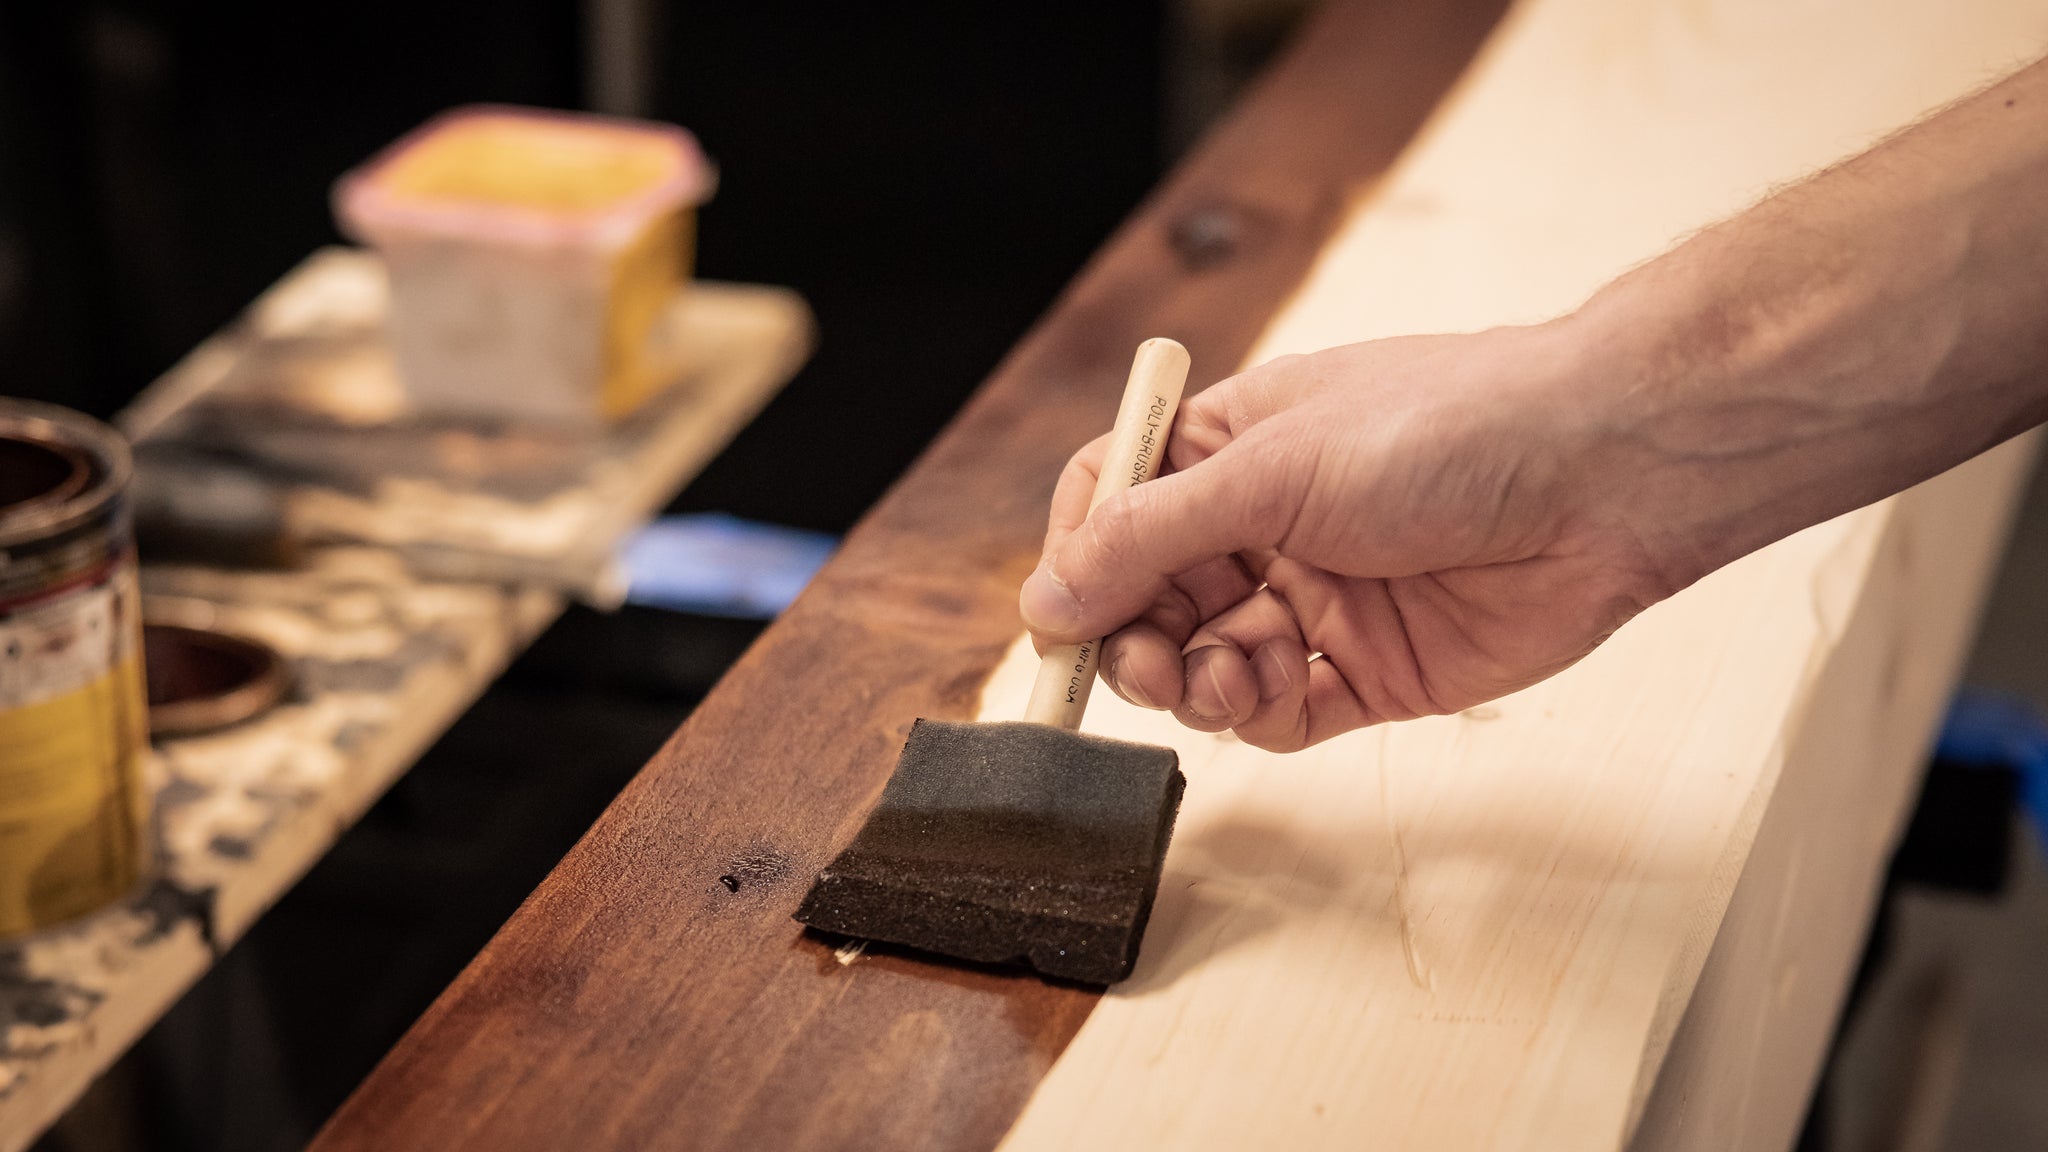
x,y
1206,236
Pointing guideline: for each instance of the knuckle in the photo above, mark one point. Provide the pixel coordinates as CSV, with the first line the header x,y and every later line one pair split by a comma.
x,y
1251,396
1263,505
1175,612
1113,528
1268,741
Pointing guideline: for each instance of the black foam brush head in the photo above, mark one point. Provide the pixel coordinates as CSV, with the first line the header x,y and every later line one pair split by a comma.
x,y
1010,843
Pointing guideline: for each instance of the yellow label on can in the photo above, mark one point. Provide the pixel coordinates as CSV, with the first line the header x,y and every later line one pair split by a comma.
x,y
73,725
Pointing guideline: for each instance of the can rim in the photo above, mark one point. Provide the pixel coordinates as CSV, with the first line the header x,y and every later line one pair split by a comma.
x,y
263,677
67,432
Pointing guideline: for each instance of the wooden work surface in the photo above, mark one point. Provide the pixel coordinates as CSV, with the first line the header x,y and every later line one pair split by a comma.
x,y
634,1001
383,662
302,397
1617,908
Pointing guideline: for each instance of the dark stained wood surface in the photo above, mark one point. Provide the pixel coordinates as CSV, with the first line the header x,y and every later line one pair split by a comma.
x,y
654,992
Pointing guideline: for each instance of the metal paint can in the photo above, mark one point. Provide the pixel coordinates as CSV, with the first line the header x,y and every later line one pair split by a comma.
x,y
74,720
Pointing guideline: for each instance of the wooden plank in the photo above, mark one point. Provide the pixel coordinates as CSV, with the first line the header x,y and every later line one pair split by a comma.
x,y
1481,931
1744,1062
635,1001
1472,931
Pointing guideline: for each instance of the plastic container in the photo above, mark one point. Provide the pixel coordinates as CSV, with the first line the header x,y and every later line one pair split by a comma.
x,y
531,253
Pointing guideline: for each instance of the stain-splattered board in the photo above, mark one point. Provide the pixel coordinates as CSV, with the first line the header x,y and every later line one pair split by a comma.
x,y
384,661
301,396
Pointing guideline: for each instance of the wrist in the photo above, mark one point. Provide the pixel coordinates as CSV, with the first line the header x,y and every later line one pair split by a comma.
x,y
1748,384
1843,340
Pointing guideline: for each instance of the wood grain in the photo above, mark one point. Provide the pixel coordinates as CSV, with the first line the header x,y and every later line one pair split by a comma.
x,y
635,1001
1480,931
1465,932
1742,1067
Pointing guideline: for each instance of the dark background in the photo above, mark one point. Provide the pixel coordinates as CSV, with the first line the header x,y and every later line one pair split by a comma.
x,y
928,175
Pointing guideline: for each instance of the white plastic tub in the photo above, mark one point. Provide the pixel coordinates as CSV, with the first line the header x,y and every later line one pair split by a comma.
x,y
530,255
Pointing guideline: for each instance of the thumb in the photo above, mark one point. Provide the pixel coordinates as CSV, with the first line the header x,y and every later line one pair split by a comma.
x,y
1117,562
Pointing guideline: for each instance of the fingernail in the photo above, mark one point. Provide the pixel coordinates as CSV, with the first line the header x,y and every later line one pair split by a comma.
x,y
1274,677
1216,694
1046,604
1130,691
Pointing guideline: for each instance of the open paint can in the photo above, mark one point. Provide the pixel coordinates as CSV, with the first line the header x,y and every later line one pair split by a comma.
x,y
73,716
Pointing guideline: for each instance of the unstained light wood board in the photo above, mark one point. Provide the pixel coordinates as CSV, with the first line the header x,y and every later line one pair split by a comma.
x,y
1484,930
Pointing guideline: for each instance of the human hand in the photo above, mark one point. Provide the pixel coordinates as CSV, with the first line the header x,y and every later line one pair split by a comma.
x,y
1413,526
1374,532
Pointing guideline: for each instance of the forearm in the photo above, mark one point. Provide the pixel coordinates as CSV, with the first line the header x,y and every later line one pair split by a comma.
x,y
1848,337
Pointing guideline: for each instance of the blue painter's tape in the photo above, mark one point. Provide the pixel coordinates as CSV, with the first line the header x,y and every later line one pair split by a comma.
x,y
719,565
1998,729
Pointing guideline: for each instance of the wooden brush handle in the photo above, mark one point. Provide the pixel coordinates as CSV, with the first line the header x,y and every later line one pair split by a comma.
x,y
1136,446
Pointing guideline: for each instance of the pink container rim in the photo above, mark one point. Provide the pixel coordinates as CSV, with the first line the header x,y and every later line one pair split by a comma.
x,y
369,212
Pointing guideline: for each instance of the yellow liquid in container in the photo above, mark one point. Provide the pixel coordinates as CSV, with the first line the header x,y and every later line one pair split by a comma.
x,y
541,164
